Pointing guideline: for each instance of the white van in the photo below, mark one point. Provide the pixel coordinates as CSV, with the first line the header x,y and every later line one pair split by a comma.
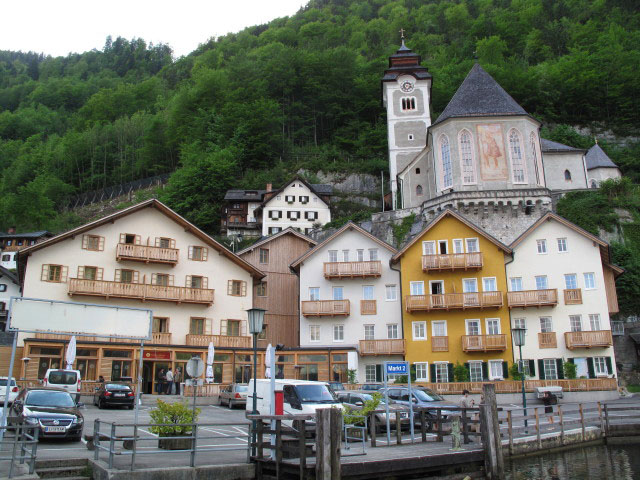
x,y
68,379
300,397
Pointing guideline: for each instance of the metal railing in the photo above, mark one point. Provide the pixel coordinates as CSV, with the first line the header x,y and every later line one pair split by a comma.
x,y
23,446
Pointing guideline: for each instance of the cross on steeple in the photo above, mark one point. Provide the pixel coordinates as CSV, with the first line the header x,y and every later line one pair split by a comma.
x,y
402,34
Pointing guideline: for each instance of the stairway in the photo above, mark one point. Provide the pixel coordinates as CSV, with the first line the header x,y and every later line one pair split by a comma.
x,y
68,469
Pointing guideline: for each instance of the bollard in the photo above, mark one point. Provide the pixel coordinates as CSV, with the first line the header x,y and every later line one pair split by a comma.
x,y
455,434
490,431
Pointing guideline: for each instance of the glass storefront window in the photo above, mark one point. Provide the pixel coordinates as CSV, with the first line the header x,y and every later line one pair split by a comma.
x,y
220,357
285,359
119,369
117,353
339,357
309,372
312,358
44,351
87,368
242,374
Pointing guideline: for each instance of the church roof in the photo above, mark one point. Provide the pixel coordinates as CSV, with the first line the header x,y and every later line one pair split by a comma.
x,y
404,61
480,95
555,147
596,158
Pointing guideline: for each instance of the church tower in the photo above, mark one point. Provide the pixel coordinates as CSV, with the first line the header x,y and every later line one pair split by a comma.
x,y
406,94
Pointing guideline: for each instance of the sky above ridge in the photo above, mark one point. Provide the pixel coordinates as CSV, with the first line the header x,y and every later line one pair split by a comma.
x,y
73,26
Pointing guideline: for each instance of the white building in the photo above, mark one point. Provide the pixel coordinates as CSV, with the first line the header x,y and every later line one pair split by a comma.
x,y
600,167
562,290
350,297
297,204
9,287
564,166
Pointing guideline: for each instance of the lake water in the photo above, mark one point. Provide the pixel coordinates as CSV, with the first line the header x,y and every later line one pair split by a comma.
x,y
619,462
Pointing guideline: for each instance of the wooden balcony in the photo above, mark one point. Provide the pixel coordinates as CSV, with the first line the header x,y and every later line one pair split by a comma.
x,y
382,347
146,254
196,340
140,291
597,338
547,340
573,296
162,338
352,269
484,343
453,301
368,307
533,298
455,261
325,308
439,344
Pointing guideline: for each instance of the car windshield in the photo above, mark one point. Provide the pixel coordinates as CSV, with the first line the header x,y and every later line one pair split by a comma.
x,y
422,396
431,394
63,378
3,382
116,386
315,394
365,397
241,388
49,399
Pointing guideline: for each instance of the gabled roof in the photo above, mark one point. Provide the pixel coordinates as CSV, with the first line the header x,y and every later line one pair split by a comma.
x,y
480,95
245,195
319,188
449,213
162,208
38,234
596,158
404,61
348,226
10,275
286,231
555,147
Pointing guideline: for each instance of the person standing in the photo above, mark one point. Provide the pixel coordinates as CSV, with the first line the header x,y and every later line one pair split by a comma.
x,y
466,401
549,400
177,379
160,381
169,378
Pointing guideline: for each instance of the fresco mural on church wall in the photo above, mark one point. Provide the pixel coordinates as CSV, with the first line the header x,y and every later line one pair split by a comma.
x,y
493,161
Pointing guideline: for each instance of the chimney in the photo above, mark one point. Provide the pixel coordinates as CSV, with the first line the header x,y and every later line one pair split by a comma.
x,y
269,187
12,230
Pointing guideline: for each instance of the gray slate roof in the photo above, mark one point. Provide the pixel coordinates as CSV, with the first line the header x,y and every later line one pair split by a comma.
x,y
480,95
596,158
243,195
9,274
322,188
36,235
551,146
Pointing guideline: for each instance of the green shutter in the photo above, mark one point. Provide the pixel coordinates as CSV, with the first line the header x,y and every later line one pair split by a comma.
x,y
432,373
609,365
379,375
532,368
505,369
485,371
450,368
570,360
560,368
541,369
590,367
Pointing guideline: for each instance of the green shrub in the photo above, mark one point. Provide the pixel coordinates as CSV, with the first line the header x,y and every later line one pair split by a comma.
x,y
178,413
570,370
460,373
352,416
352,375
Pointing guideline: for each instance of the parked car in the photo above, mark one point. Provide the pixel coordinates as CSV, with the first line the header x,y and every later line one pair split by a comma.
x,y
53,410
234,394
356,401
422,397
336,386
371,387
68,380
114,395
12,389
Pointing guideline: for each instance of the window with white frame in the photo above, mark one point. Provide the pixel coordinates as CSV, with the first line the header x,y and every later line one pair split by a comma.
x,y
594,321
458,245
493,326
600,366
570,281
360,253
469,285
369,332
473,327
445,155
367,292
546,325
562,245
314,333
439,328
524,367
314,293
475,371
550,369
345,255
472,245
429,247
422,372
541,282
338,333
519,323
370,373
466,158
338,293
542,246
392,331
489,284
419,330
517,157
495,370
516,284
333,256
373,254
416,288
576,323
589,281
442,372
391,293
443,247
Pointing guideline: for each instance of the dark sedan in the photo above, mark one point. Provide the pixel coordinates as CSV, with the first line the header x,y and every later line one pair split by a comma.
x,y
53,410
114,395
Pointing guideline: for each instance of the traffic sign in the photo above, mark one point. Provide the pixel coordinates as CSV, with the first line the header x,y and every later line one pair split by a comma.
x,y
399,368
195,367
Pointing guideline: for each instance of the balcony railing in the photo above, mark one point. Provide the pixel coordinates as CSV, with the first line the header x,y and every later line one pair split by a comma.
x,y
439,344
597,338
325,308
352,269
382,347
163,338
368,307
533,298
484,343
198,340
140,291
146,254
547,340
455,261
453,301
573,296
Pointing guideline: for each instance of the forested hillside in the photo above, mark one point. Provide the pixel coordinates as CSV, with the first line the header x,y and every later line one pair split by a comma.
x,y
303,91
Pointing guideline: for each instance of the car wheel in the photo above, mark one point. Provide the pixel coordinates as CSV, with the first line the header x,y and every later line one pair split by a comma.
x,y
100,404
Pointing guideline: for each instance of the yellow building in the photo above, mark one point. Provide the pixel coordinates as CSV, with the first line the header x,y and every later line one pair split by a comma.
x,y
453,286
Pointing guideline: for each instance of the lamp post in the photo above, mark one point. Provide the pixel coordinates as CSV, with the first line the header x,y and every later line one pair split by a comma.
x,y
519,338
256,320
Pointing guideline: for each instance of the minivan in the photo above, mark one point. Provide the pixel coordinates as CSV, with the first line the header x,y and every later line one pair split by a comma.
x,y
68,380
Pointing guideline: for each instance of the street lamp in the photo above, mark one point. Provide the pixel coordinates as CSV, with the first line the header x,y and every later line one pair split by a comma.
x,y
519,338
256,320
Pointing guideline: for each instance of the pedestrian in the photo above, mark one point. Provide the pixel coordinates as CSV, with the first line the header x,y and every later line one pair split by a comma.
x,y
169,381
100,379
549,400
160,381
466,401
177,379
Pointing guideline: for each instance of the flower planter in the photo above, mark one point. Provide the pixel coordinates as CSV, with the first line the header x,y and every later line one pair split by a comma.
x,y
169,443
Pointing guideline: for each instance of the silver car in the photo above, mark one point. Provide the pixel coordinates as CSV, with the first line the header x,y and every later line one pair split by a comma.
x,y
234,394
356,401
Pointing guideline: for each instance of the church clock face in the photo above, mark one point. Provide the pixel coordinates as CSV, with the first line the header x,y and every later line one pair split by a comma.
x,y
406,86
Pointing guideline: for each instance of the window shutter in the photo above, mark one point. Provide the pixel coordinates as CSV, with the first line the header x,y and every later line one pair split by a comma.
x,y
171,277
560,368
123,237
205,253
450,368
137,240
485,371
432,373
85,241
379,375
205,282
45,273
468,367
609,365
99,273
532,368
190,252
229,287
541,369
80,272
591,368
270,212
208,326
64,274
505,369
244,289
157,242
136,276
117,277
243,328
187,282
154,278
101,243
223,327
172,243
570,360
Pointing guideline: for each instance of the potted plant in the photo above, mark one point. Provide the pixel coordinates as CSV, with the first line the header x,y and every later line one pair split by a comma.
x,y
178,414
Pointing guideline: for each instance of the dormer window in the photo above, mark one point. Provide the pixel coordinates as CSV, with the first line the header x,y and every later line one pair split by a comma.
x,y
408,104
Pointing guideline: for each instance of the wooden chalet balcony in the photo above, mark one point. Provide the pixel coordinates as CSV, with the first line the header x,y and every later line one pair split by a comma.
x,y
197,340
597,338
382,347
455,261
325,308
453,301
140,291
163,338
533,298
439,344
573,296
352,269
368,307
484,343
146,254
547,340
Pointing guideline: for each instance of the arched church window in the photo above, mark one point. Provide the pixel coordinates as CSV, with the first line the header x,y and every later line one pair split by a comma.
x,y
419,190
466,158
445,153
536,161
517,159
594,184
567,175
